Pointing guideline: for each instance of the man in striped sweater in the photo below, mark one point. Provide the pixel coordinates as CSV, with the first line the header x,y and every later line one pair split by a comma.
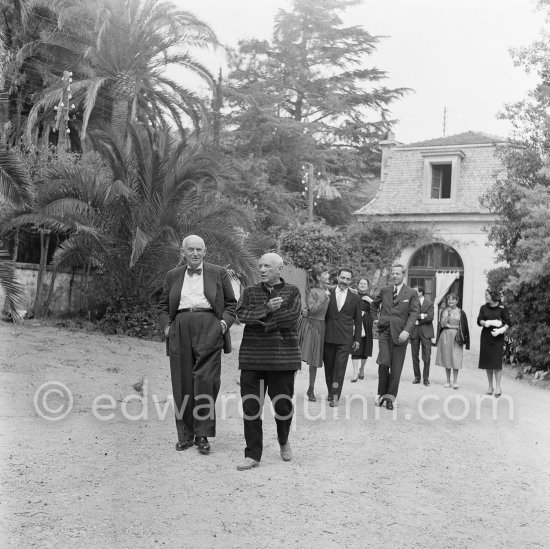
x,y
269,356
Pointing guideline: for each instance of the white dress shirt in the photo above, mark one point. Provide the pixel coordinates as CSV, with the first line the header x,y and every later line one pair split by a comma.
x,y
340,297
192,291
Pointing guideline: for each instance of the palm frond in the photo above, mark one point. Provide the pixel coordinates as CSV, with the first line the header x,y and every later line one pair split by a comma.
x,y
15,185
13,290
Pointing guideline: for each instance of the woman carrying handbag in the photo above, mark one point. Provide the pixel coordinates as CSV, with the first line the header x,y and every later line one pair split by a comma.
x,y
452,336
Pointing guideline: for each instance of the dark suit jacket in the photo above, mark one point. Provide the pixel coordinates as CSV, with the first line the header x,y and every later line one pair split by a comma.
x,y
400,315
425,326
217,290
344,326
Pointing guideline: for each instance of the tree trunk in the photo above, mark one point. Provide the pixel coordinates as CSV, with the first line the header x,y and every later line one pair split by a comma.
x,y
119,118
15,245
42,269
4,116
49,297
217,104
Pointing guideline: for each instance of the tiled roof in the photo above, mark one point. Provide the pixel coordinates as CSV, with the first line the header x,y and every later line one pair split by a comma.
x,y
403,188
466,138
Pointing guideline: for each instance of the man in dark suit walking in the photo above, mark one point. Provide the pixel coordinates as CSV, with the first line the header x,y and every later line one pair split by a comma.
x,y
399,308
342,333
421,336
197,309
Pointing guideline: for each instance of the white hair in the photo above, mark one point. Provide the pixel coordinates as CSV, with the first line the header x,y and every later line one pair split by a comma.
x,y
190,237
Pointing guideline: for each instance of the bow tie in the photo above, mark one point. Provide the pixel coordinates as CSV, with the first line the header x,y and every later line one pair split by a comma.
x,y
192,271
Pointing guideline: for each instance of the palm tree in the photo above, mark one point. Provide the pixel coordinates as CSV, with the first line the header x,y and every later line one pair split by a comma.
x,y
25,67
129,225
118,53
16,191
171,188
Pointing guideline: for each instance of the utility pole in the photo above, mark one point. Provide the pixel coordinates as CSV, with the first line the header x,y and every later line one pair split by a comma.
x,y
444,120
308,179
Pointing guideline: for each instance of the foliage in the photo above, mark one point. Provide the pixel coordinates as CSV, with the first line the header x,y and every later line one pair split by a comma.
x,y
521,199
306,96
312,244
162,189
118,53
374,246
132,318
368,248
16,190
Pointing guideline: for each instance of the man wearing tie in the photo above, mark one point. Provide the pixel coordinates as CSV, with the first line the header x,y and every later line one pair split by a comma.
x,y
399,308
197,309
421,336
343,324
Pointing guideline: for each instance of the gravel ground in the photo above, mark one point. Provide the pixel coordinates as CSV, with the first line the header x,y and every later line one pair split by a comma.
x,y
440,471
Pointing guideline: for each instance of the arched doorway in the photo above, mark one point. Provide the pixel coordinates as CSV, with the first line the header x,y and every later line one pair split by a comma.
x,y
435,258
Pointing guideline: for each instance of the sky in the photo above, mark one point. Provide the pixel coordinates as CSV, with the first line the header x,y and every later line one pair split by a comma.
x,y
454,54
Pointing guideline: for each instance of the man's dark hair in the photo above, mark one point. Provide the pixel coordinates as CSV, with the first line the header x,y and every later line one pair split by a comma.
x,y
347,269
420,289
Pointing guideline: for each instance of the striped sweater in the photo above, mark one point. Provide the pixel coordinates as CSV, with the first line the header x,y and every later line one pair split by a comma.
x,y
270,340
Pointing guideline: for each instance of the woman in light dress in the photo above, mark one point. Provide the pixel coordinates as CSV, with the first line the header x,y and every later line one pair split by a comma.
x,y
452,336
311,325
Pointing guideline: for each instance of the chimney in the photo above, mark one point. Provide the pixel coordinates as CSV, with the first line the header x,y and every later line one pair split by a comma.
x,y
387,145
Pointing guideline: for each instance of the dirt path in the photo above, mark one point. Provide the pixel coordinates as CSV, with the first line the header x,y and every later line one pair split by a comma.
x,y
409,480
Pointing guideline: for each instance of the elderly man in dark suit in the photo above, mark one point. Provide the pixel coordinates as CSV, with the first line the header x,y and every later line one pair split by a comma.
x,y
343,322
421,336
197,309
399,308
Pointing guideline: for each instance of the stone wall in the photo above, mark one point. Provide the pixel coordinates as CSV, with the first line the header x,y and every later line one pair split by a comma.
x,y
68,295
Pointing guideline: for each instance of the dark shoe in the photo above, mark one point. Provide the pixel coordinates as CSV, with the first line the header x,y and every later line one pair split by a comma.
x,y
426,382
354,380
180,446
497,395
361,376
416,380
203,445
310,395
389,404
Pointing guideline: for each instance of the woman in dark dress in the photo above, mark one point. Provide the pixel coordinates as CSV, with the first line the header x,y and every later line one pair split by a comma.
x,y
365,348
495,320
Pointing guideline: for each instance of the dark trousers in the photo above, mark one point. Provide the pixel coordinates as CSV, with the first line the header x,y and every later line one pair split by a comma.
x,y
280,388
390,364
195,347
426,345
335,360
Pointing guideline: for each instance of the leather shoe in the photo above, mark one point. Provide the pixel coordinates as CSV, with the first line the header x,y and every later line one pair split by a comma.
x,y
426,382
203,445
248,463
416,380
389,404
286,451
180,446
